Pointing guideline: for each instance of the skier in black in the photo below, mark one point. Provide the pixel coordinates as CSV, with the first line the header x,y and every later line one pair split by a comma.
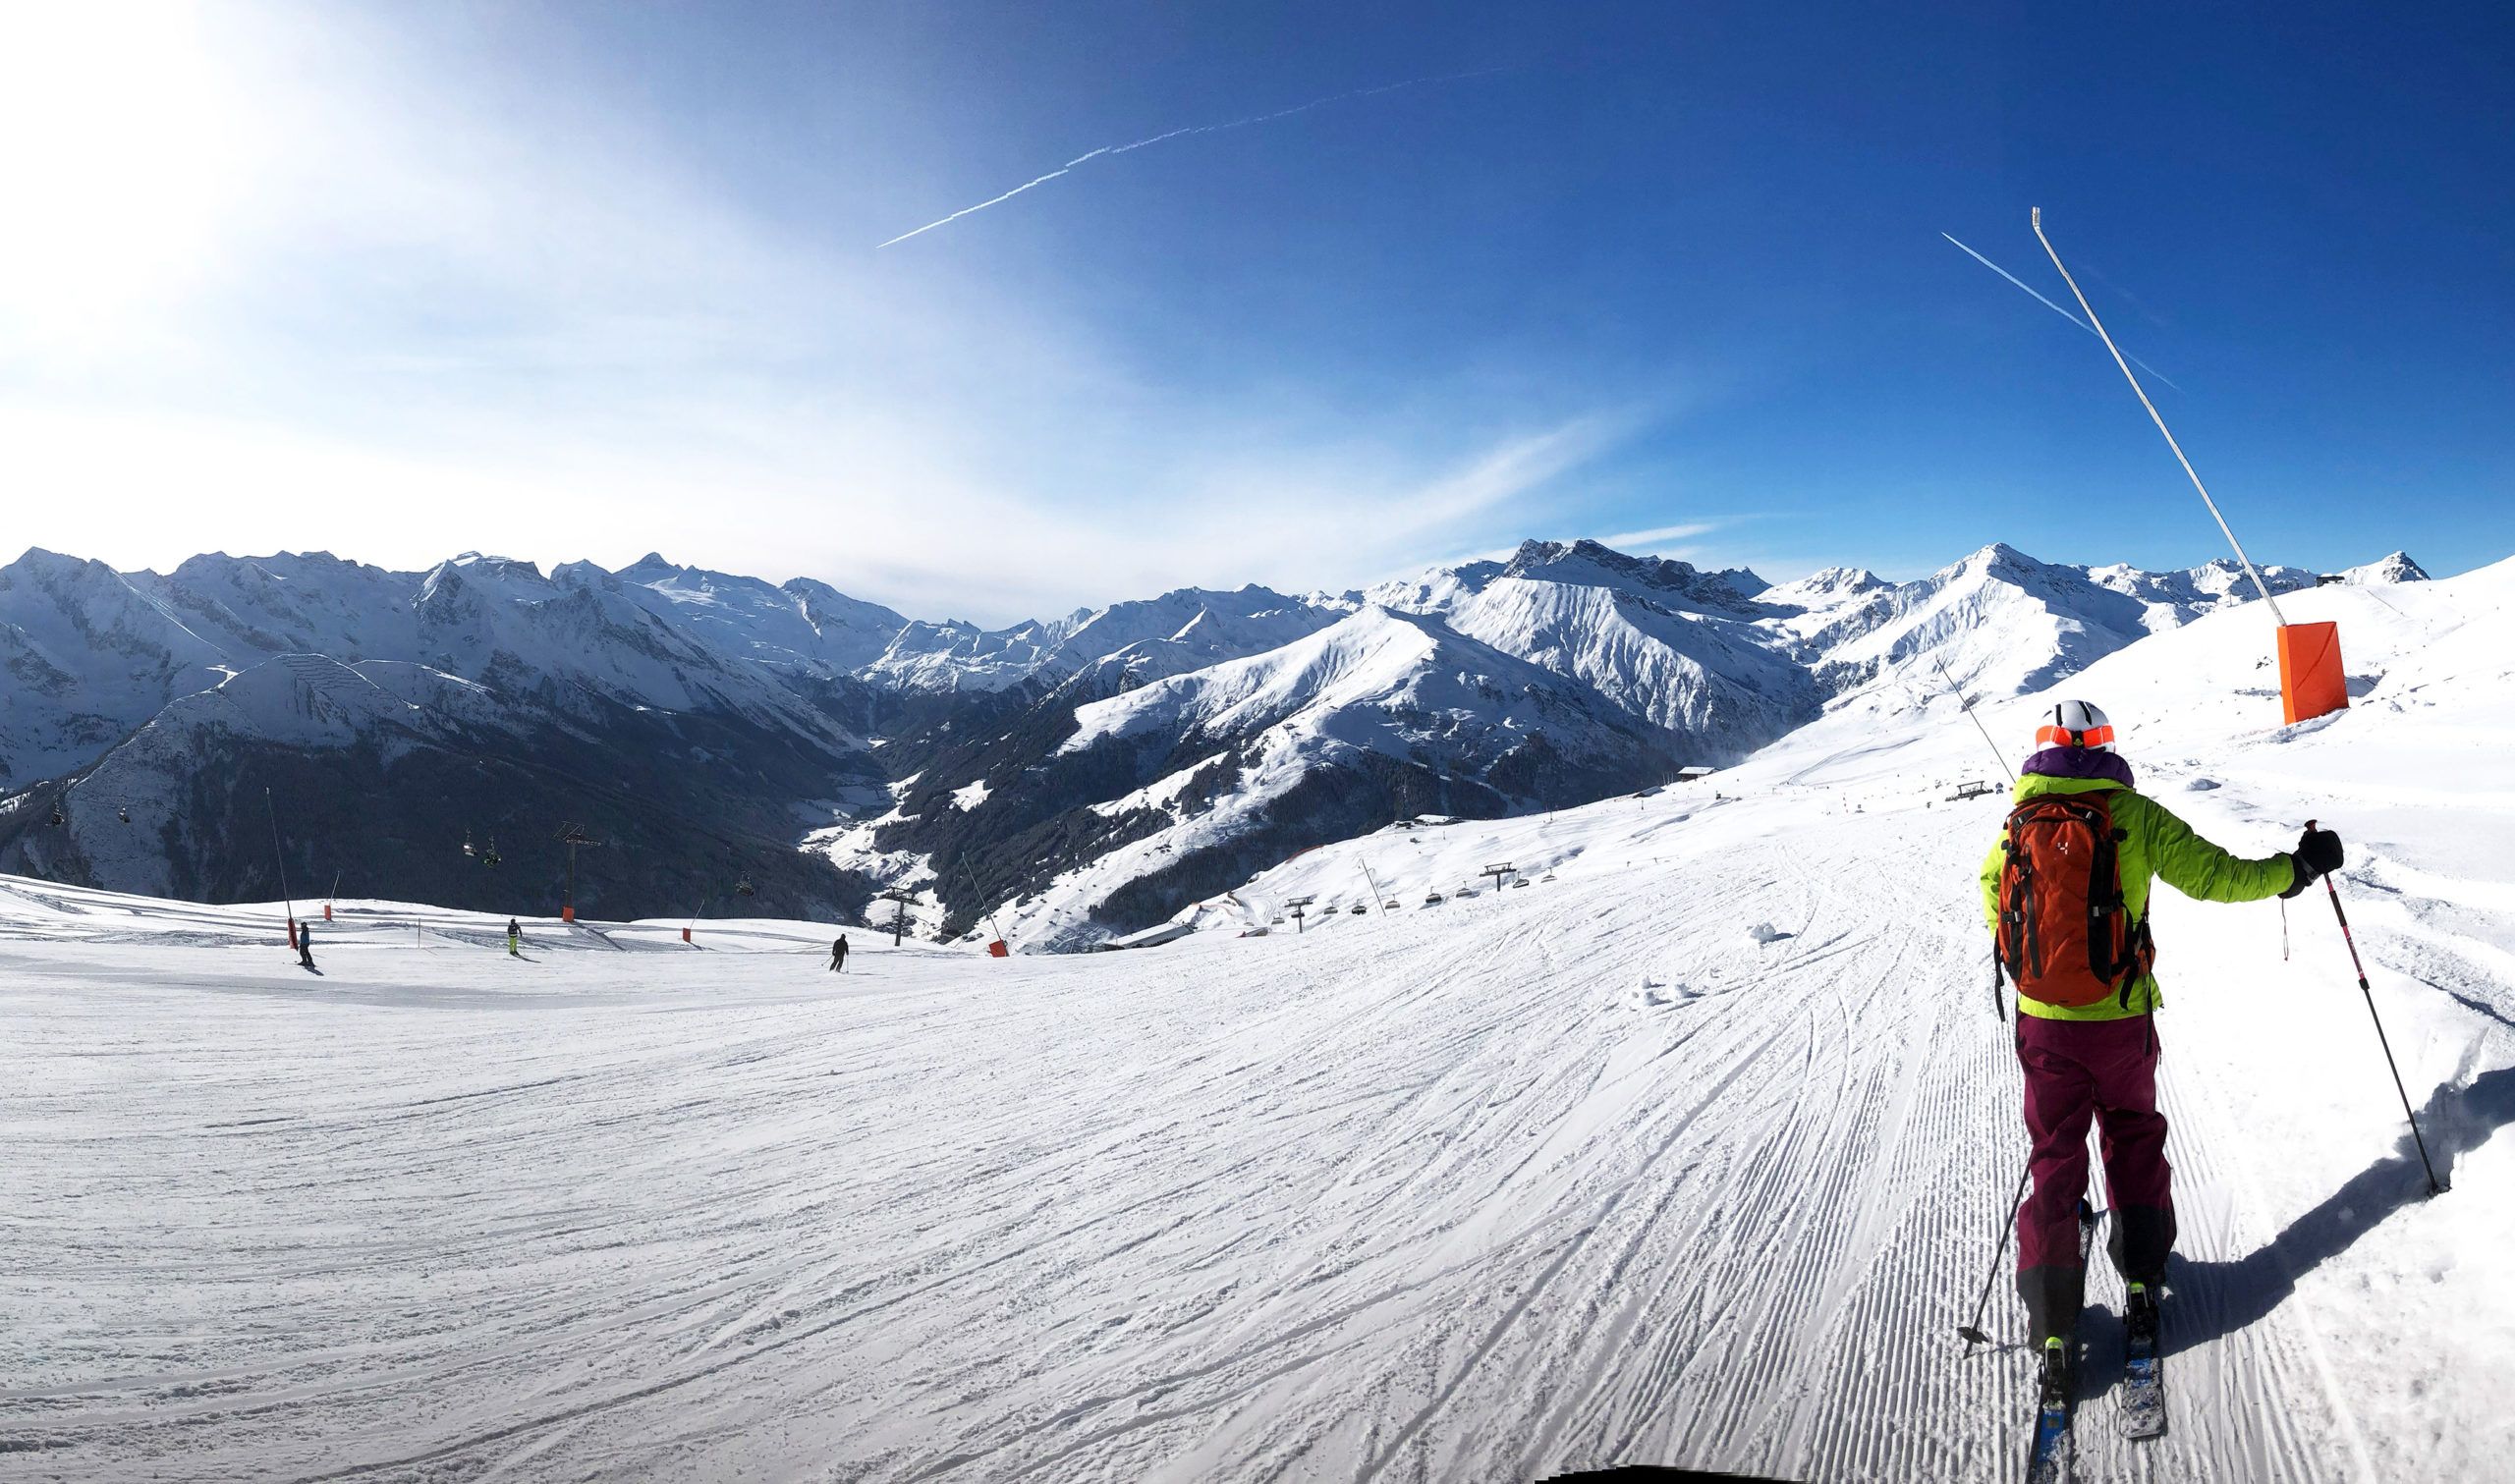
x,y
305,943
838,955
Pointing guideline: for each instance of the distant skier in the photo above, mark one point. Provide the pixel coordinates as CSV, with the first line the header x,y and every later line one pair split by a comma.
x,y
515,939
838,955
2066,892
305,943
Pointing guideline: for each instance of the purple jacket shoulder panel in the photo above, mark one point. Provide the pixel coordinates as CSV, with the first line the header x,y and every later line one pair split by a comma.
x,y
2080,762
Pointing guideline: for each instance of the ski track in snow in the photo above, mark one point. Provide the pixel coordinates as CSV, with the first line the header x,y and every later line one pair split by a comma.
x,y
1430,1196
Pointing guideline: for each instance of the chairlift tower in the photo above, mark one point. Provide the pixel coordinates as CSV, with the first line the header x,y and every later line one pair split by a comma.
x,y
1498,870
899,901
575,838
1294,905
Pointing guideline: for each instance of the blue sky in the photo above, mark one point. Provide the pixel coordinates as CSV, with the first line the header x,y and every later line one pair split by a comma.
x,y
586,280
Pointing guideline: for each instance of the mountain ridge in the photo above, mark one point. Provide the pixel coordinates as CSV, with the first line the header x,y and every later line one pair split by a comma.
x,y
977,765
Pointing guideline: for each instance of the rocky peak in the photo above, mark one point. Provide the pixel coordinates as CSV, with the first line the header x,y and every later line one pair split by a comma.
x,y
2396,567
1593,564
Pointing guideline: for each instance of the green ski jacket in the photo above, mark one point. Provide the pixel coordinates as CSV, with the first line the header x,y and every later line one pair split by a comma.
x,y
2160,845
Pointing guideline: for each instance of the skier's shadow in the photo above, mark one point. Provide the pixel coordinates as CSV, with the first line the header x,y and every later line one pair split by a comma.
x,y
2215,1299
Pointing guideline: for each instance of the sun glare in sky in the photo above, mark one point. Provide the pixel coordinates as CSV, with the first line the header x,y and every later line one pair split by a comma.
x,y
127,145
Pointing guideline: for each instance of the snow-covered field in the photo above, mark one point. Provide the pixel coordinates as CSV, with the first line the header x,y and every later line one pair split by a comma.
x,y
1587,1172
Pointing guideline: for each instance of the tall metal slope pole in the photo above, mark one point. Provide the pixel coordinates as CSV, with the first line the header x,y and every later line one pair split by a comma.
x,y
280,858
1379,899
2141,393
971,877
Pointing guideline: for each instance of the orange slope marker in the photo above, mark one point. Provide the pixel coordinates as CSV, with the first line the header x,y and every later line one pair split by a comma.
x,y
2312,681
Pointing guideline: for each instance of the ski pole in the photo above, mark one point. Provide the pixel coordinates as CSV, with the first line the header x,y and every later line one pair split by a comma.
x,y
2433,1187
1971,1334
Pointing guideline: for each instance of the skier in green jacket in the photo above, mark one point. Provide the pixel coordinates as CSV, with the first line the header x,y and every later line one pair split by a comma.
x,y
2078,947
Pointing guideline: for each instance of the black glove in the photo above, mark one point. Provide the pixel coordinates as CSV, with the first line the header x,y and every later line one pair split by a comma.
x,y
2317,855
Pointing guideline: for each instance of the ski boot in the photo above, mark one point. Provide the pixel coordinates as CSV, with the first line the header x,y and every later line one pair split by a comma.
x,y
2142,1374
2139,1316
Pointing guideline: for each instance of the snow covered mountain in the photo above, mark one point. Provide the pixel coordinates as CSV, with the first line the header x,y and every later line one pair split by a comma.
x,y
389,712
1588,564
1683,649
1174,632
2000,621
800,625
1092,772
1157,793
1103,802
306,768
2397,567
1680,667
87,657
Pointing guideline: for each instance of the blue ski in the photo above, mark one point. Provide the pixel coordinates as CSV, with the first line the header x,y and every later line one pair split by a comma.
x,y
2051,1458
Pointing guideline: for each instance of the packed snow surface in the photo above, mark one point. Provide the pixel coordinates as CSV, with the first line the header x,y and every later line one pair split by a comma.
x,y
1693,1153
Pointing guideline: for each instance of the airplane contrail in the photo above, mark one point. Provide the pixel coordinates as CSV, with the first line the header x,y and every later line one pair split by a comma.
x,y
1263,118
2055,308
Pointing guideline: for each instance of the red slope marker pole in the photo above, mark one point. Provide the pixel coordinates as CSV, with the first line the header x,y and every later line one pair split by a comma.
x,y
2434,1187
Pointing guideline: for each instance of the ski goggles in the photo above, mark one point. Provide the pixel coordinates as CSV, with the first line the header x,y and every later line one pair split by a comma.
x,y
2063,737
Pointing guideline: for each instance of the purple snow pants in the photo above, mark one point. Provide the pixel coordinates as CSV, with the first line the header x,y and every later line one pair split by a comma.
x,y
2077,1071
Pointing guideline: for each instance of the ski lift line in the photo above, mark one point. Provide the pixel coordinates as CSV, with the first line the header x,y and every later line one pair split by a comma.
x,y
627,800
1967,707
2036,217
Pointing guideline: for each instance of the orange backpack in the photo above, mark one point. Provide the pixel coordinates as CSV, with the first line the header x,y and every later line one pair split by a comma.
x,y
2065,932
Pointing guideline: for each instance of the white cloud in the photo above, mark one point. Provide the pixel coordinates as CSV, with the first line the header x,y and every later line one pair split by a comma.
x,y
1657,537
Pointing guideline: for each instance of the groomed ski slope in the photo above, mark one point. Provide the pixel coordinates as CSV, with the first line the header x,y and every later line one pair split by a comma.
x,y
1570,1175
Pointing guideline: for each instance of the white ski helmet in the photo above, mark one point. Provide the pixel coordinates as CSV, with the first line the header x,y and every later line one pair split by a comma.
x,y
2076,724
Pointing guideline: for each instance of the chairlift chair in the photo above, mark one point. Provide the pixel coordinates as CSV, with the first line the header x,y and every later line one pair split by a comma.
x,y
489,857
745,887
123,813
